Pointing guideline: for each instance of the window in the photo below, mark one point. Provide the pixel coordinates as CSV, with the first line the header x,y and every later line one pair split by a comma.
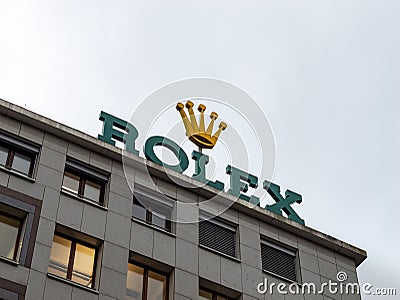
x,y
144,283
209,295
151,211
10,236
17,155
84,182
73,260
278,260
19,220
218,235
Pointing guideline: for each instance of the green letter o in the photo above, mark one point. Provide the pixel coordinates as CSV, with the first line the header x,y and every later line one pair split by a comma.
x,y
171,145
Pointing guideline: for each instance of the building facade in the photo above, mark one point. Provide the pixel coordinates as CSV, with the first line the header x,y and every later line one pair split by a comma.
x,y
72,228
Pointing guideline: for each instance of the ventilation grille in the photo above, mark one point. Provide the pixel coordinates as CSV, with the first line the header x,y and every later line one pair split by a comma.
x,y
217,237
278,262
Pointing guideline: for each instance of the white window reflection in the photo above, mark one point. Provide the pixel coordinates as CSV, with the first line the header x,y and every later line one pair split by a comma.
x,y
21,163
92,190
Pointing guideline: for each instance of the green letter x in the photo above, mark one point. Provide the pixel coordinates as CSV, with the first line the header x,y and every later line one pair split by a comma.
x,y
283,203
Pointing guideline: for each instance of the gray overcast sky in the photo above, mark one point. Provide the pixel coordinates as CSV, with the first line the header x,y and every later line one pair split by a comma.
x,y
325,72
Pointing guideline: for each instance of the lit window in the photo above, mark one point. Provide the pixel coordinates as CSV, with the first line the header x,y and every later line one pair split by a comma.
x,y
84,182
10,236
72,260
152,212
209,295
17,155
278,260
218,235
143,283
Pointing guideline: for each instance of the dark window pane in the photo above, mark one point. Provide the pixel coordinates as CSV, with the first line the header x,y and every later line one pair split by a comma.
x,y
157,286
59,256
71,182
83,265
9,228
92,191
3,155
139,211
134,283
21,163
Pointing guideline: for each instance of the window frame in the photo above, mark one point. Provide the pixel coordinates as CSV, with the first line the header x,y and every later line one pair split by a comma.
x,y
142,195
19,235
149,217
86,173
16,145
145,285
28,209
71,259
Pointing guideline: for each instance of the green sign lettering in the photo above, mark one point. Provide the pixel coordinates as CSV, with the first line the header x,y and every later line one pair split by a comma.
x,y
240,182
110,123
171,145
200,170
283,203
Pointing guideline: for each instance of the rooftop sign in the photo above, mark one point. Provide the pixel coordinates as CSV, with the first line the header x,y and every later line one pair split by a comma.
x,y
116,129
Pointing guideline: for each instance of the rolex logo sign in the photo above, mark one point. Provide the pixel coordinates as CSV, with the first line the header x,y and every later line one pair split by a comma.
x,y
196,132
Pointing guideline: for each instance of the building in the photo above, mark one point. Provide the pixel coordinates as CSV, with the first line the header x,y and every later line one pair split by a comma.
x,y
71,228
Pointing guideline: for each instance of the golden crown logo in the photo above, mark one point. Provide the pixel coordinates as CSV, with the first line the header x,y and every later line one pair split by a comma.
x,y
197,133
